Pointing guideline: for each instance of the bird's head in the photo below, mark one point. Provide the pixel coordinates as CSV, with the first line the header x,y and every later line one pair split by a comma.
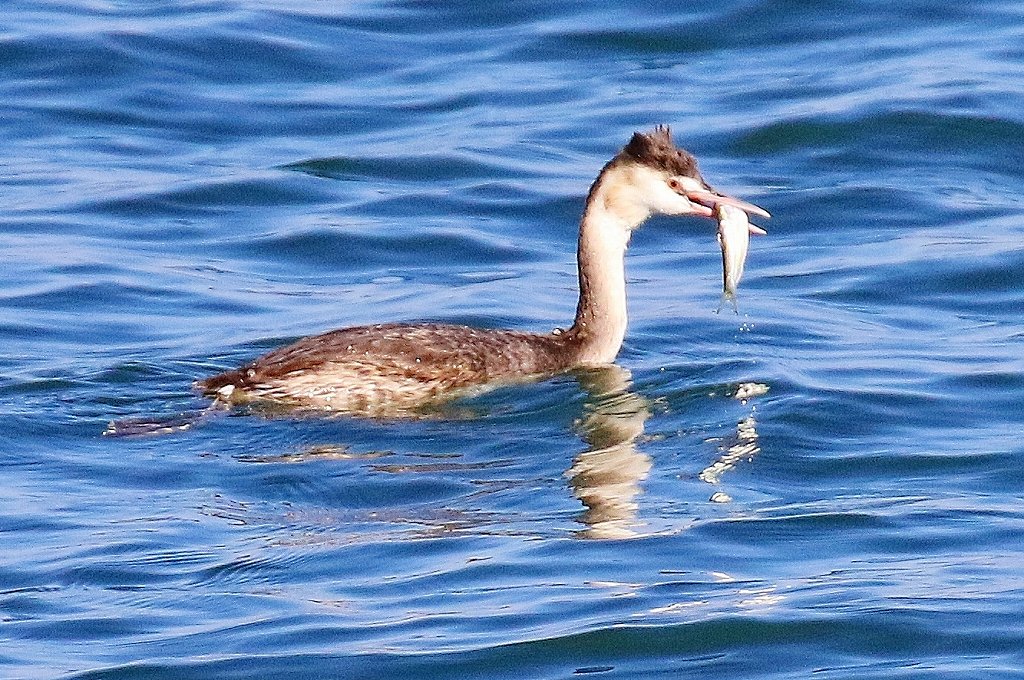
x,y
652,176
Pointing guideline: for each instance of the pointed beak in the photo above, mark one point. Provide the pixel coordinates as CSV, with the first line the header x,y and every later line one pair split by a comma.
x,y
711,199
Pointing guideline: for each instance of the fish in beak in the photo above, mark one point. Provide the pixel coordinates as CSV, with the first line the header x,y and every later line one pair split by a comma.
x,y
734,230
734,227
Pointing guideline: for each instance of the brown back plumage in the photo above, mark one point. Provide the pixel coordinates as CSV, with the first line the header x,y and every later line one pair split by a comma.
x,y
391,367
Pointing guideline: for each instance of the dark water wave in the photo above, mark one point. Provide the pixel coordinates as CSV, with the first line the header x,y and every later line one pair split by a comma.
x,y
692,648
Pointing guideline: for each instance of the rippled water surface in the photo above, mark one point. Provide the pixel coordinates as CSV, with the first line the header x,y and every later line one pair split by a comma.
x,y
829,482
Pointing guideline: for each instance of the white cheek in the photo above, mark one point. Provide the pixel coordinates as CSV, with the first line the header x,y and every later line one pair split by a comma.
x,y
653,192
666,201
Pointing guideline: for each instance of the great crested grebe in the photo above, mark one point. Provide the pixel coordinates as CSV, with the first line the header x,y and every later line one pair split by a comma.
x,y
391,368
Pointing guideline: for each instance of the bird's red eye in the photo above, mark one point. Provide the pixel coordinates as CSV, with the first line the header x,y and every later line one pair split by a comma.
x,y
673,184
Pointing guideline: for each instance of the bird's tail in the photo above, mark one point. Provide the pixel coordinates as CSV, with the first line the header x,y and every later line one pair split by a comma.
x,y
141,427
219,387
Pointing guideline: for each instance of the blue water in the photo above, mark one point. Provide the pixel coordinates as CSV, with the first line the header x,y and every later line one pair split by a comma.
x,y
828,483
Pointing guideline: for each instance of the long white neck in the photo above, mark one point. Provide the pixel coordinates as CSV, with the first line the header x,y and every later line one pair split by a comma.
x,y
610,216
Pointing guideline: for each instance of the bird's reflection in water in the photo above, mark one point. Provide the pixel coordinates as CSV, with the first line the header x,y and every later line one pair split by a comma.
x,y
606,477
743,446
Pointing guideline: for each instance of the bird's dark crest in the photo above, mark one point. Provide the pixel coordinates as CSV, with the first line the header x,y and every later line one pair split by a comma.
x,y
655,149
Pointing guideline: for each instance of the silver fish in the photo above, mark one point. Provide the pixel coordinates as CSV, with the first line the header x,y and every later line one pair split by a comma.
x,y
734,230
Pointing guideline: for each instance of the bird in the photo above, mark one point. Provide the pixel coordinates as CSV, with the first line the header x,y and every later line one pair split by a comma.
x,y
394,368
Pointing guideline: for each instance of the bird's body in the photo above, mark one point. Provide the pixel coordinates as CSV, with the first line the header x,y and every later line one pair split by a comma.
x,y
388,368
394,368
